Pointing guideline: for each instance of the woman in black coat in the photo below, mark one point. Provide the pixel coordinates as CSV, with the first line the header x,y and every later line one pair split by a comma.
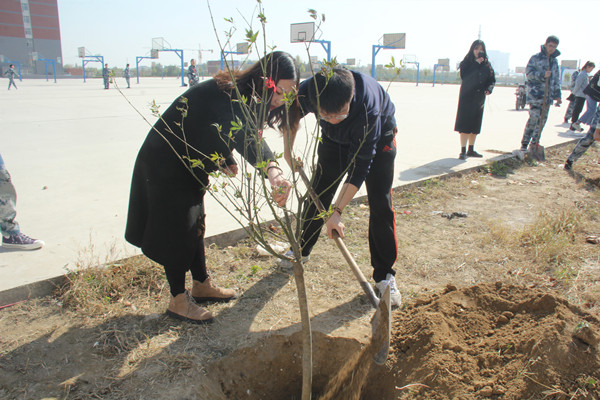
x,y
171,172
478,80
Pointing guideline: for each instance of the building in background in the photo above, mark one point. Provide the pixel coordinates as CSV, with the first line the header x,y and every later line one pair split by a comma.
x,y
29,33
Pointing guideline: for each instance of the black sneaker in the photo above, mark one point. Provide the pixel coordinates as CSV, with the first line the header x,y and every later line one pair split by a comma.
x,y
568,165
462,156
473,153
22,242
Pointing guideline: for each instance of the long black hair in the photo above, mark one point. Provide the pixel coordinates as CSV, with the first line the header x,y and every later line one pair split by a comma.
x,y
470,57
255,80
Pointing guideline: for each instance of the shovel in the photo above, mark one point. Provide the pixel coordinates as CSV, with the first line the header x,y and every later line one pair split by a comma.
x,y
381,322
537,151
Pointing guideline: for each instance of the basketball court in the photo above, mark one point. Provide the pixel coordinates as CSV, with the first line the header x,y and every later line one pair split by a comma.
x,y
70,148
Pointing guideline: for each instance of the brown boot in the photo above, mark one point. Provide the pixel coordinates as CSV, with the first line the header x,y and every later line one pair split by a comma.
x,y
208,291
184,308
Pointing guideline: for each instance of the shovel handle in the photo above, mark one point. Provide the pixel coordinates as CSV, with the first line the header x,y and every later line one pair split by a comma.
x,y
367,288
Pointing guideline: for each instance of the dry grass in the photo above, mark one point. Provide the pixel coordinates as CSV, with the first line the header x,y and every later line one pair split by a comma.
x,y
105,290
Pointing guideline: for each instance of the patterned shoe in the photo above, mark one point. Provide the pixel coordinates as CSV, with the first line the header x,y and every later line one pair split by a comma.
x,y
22,242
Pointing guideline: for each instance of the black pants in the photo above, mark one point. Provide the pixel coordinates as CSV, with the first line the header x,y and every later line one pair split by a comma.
x,y
577,108
331,165
176,273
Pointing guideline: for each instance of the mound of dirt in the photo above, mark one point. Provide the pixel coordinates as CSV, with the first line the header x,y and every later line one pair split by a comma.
x,y
491,341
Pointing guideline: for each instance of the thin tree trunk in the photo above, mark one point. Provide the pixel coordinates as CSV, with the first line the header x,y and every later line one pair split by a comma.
x,y
306,332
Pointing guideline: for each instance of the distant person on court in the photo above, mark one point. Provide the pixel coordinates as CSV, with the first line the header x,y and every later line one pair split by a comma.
x,y
582,81
478,80
571,97
127,76
166,216
106,76
542,70
193,77
10,72
358,141
12,237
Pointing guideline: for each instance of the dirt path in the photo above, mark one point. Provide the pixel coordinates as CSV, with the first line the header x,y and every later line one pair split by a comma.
x,y
500,304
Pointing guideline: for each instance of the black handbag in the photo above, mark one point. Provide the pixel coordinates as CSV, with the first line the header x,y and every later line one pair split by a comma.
x,y
592,89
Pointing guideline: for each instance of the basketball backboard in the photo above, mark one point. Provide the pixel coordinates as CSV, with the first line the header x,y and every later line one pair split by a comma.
x,y
409,59
81,52
158,43
351,61
444,64
395,40
568,64
302,32
519,70
242,48
154,53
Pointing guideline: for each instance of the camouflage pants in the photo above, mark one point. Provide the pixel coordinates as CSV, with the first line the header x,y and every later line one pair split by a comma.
x,y
582,146
8,199
569,112
534,126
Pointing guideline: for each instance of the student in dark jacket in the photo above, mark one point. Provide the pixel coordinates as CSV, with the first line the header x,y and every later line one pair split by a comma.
x,y
478,80
358,129
166,205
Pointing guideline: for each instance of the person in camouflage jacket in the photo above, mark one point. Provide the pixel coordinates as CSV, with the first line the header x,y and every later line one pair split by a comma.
x,y
540,67
10,73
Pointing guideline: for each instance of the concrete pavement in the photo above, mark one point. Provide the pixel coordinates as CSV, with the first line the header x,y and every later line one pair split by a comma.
x,y
70,148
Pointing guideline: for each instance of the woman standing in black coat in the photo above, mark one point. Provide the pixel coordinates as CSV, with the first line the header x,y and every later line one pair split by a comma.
x,y
171,172
478,80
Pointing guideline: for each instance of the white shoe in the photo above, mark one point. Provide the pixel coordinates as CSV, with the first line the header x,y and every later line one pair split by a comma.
x,y
287,264
395,295
576,127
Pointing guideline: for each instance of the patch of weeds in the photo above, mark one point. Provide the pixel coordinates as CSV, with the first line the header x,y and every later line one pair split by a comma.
x,y
499,168
241,277
551,237
565,274
95,289
255,269
426,191
430,184
499,233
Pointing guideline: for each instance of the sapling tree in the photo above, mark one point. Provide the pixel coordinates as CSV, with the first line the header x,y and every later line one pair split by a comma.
x,y
246,196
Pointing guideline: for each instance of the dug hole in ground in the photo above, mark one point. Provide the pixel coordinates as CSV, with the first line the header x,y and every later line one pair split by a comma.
x,y
500,302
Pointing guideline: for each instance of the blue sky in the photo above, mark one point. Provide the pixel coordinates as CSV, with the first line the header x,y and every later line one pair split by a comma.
x,y
120,30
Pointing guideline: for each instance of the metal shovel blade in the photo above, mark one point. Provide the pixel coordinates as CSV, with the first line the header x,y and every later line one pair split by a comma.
x,y
381,324
537,153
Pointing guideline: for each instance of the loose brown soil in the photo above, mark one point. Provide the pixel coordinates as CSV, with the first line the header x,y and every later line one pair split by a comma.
x,y
500,304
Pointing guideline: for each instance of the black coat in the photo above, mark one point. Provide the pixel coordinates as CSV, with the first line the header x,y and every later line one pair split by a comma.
x,y
476,80
166,201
